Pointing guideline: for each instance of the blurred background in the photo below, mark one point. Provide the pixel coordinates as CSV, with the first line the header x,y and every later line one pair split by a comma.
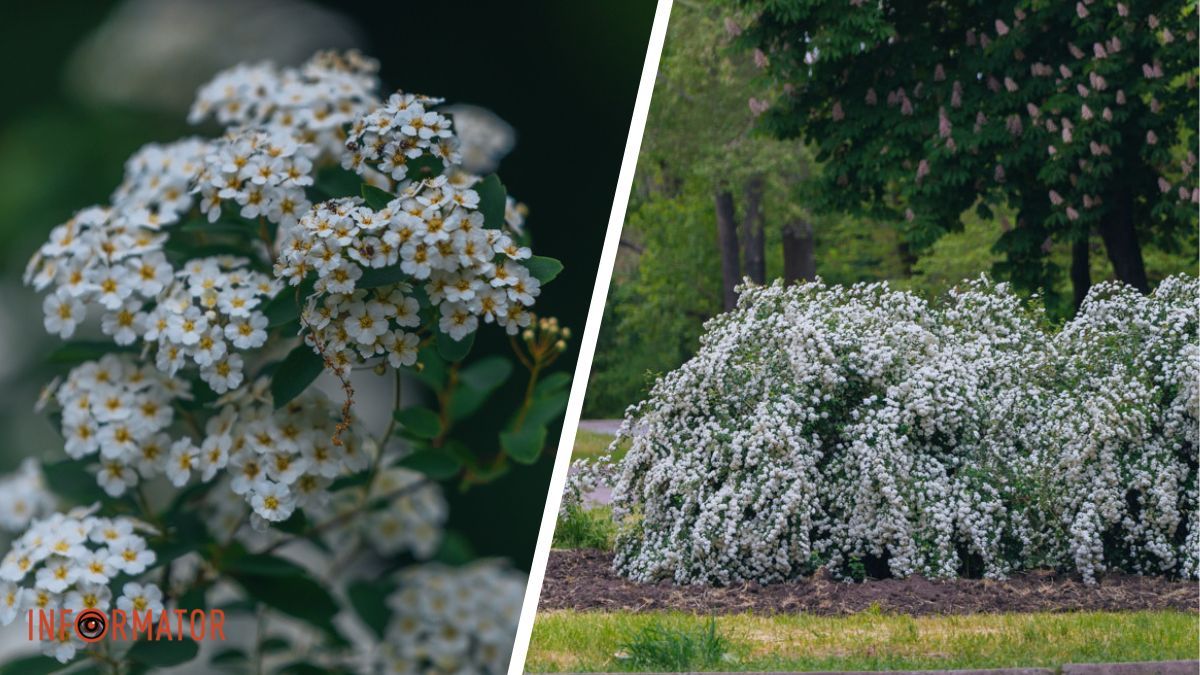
x,y
89,81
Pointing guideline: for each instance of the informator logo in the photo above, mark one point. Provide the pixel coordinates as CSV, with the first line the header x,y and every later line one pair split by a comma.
x,y
93,625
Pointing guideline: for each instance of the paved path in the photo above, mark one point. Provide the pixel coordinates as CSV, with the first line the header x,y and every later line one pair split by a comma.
x,y
601,426
602,495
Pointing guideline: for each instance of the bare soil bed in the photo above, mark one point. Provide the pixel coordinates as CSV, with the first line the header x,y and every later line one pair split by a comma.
x,y
584,580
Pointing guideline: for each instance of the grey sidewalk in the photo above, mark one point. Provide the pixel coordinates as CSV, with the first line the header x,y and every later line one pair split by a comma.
x,y
600,426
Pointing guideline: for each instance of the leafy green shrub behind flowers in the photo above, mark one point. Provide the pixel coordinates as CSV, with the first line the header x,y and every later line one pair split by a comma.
x,y
865,430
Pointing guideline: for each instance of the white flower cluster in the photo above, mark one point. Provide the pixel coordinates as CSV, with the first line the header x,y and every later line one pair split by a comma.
x,y
263,172
157,189
453,620
314,103
23,497
66,561
120,410
402,129
212,308
862,428
281,460
282,124
434,233
112,257
410,519
275,460
400,511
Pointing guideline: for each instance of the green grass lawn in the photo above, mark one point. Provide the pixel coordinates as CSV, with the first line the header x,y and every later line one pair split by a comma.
x,y
586,528
590,445
599,641
592,527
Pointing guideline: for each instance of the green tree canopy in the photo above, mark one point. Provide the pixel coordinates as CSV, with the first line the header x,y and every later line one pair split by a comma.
x,y
1078,116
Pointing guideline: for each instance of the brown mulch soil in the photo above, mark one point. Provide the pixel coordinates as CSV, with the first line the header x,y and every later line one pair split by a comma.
x,y
584,580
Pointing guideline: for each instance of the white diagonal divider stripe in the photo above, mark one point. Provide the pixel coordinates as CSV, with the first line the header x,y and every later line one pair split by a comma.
x,y
591,331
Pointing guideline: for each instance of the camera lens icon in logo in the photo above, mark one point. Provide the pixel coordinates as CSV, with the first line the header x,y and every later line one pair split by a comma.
x,y
91,625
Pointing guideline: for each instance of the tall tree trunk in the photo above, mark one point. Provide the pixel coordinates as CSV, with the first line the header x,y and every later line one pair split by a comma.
x,y
1121,243
1081,271
753,236
799,252
728,243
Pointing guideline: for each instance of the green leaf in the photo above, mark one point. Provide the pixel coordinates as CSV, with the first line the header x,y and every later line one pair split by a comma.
x,y
374,277
477,382
487,373
465,401
297,523
433,369
179,250
297,370
33,665
369,600
492,198
283,308
334,182
299,597
69,480
84,350
222,226
524,445
189,494
420,422
302,668
542,268
454,350
437,465
163,653
544,409
186,533
455,549
425,166
239,606
259,564
275,644
375,198
552,383
195,598
229,657
353,480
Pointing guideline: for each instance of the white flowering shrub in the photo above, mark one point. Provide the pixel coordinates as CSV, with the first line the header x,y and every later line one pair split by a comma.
x,y
866,431
327,228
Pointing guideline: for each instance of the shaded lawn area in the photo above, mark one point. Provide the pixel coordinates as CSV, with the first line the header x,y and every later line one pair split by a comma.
x,y
565,640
